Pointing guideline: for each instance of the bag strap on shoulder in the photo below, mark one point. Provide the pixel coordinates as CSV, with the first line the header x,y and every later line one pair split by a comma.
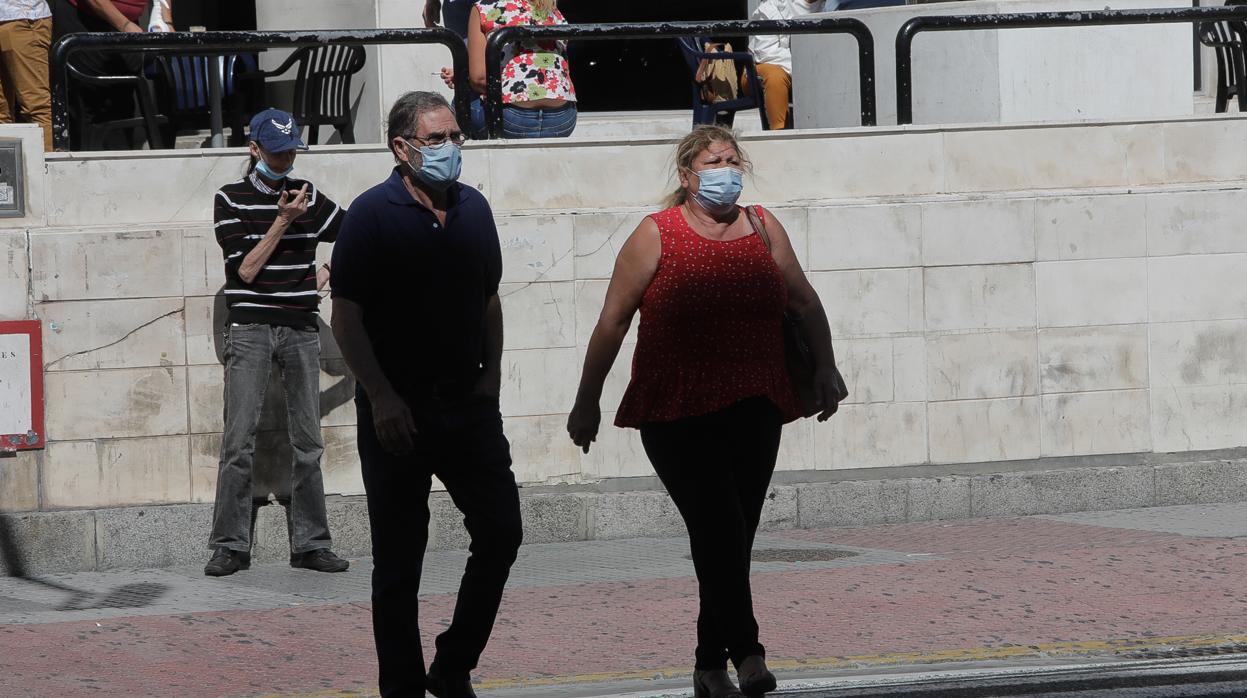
x,y
759,227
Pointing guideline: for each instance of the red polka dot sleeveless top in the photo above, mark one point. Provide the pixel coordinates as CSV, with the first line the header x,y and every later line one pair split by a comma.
x,y
711,330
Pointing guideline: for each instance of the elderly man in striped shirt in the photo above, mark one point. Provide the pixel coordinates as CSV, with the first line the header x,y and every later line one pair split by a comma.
x,y
268,225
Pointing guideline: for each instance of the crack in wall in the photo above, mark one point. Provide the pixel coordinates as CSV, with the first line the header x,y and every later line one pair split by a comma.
x,y
51,364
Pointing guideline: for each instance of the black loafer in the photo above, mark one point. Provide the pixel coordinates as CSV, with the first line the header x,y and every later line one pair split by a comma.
x,y
225,562
321,560
455,686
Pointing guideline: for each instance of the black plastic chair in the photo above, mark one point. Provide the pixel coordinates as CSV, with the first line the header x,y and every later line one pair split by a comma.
x,y
322,88
1226,40
93,135
186,101
722,112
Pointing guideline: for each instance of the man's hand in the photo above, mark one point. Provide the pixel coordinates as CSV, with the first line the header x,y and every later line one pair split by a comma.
x,y
289,211
432,13
396,429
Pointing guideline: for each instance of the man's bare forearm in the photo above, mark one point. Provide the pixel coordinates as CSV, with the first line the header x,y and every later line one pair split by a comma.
x,y
259,255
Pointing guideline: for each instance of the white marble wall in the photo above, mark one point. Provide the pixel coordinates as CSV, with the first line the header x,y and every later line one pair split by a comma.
x,y
984,309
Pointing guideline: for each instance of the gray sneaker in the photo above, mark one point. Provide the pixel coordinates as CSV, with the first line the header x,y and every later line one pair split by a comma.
x,y
321,560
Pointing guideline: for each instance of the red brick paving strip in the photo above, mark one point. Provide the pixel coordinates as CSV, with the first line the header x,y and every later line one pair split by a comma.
x,y
997,583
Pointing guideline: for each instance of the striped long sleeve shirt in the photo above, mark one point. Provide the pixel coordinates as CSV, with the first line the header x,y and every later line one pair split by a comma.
x,y
284,292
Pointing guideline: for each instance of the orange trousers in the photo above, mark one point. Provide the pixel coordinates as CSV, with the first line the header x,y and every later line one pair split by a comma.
x,y
24,47
776,91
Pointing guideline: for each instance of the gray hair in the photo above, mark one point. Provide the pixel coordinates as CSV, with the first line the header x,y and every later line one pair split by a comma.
x,y
407,110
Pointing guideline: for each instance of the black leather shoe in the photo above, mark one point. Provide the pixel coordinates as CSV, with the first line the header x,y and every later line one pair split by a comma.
x,y
321,560
755,679
714,684
225,562
453,686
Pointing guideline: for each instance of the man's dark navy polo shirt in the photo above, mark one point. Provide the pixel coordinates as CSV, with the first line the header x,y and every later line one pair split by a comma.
x,y
422,286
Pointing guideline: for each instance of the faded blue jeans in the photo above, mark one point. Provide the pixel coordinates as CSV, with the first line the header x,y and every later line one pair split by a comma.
x,y
517,122
250,352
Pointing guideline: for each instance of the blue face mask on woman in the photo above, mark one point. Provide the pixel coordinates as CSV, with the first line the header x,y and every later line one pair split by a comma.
x,y
439,164
719,188
263,168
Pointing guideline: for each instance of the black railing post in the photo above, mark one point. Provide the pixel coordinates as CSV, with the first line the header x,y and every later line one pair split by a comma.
x,y
493,79
904,71
866,73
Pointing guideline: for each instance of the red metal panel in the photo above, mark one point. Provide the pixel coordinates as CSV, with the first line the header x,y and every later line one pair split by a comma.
x,y
35,438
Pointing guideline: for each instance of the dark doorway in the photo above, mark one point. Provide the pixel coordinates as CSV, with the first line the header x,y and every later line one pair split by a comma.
x,y
214,15
642,74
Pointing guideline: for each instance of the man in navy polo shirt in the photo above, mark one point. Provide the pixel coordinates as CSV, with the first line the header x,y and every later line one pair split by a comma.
x,y
416,313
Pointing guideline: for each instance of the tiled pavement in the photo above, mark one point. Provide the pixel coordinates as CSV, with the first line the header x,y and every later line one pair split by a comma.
x,y
597,617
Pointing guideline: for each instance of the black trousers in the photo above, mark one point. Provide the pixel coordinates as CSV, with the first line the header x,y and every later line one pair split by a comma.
x,y
717,468
461,442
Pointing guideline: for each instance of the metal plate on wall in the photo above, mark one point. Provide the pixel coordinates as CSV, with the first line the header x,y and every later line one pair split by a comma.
x,y
12,179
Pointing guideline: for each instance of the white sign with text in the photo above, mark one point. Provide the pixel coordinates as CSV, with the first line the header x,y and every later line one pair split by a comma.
x,y
15,397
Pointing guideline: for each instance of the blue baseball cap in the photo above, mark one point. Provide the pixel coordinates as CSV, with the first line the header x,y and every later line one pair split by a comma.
x,y
276,131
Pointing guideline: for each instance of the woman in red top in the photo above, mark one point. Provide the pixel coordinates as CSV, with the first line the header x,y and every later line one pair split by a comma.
x,y
710,391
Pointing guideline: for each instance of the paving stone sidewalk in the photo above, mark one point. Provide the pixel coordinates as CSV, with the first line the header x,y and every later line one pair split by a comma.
x,y
594,618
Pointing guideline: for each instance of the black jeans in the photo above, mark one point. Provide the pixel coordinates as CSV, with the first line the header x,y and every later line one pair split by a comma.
x,y
717,468
460,441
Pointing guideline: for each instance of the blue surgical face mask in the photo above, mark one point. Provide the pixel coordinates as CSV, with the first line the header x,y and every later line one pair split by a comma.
x,y
439,164
263,168
719,189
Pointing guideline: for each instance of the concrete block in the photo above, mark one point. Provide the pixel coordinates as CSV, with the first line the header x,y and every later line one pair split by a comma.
x,y
978,232
1080,424
874,436
537,381
104,265
129,333
864,237
159,536
938,498
1197,287
1205,482
847,503
598,239
1059,491
173,188
617,453
555,518
639,175
781,512
540,315
1199,418
866,365
49,542
1195,222
340,466
1093,358
796,448
791,168
1091,227
117,472
971,431
205,318
634,515
795,220
909,369
1194,151
1038,158
116,403
348,524
979,297
541,450
203,262
19,482
1198,353
982,365
868,302
14,276
1092,292
205,463
536,248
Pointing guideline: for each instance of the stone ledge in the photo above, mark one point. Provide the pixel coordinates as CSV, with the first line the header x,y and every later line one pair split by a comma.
x,y
161,536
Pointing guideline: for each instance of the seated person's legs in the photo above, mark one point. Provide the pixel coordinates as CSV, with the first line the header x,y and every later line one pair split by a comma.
x,y
776,91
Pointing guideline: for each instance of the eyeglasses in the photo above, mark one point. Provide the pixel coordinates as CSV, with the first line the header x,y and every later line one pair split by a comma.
x,y
438,139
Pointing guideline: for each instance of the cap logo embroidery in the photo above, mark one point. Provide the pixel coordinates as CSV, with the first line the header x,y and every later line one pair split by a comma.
x,y
284,129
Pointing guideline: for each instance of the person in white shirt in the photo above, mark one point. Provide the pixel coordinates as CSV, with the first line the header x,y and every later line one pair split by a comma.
x,y
25,36
774,56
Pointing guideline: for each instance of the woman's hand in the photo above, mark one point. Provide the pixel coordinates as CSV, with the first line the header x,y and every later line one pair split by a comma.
x,y
583,423
448,77
831,391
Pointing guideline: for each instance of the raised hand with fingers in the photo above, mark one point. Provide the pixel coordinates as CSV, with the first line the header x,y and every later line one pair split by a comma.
x,y
290,211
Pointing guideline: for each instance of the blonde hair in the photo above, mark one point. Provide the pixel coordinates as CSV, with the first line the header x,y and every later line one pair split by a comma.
x,y
543,8
700,138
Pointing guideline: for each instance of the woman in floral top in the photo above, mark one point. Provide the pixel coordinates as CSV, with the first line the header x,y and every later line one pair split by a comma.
x,y
538,99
